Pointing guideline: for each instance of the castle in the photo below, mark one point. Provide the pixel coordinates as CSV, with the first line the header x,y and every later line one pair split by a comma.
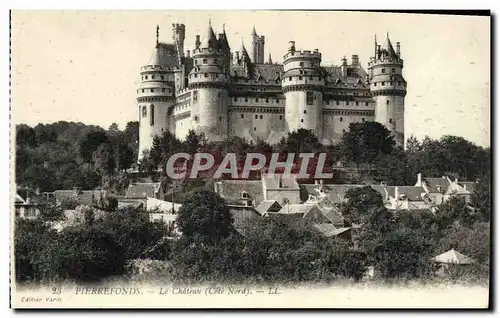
x,y
223,93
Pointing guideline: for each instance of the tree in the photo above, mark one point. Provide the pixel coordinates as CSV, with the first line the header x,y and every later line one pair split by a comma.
x,y
481,197
104,159
81,254
361,203
300,141
204,216
90,144
29,237
192,142
25,136
124,155
364,142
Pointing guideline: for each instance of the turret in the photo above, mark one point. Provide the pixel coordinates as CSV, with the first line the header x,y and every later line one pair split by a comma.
x,y
388,88
208,81
178,36
258,43
156,93
303,86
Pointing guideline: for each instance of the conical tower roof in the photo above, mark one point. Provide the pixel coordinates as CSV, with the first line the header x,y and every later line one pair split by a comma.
x,y
210,40
390,49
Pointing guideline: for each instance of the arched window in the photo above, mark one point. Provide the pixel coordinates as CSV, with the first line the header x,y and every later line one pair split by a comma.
x,y
152,115
144,111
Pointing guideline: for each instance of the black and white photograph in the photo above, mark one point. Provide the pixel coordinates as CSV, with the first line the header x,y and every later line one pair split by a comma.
x,y
250,159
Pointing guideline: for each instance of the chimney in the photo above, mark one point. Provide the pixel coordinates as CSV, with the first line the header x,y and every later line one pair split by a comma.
x,y
197,43
398,49
343,68
354,60
316,51
396,193
456,180
321,182
76,191
419,178
292,47
237,58
188,54
280,183
316,182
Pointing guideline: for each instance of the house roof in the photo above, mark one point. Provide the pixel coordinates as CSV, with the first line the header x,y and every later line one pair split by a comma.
x,y
333,215
142,190
468,185
456,188
330,230
160,205
231,190
130,204
334,192
85,197
434,183
413,193
453,257
296,208
242,213
280,181
265,205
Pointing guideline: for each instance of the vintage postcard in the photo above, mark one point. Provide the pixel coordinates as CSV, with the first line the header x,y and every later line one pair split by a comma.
x,y
250,159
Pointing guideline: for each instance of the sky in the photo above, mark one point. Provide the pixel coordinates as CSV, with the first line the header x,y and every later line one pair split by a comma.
x,y
84,66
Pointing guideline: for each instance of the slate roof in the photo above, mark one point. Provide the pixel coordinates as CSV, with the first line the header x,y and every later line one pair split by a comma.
x,y
334,192
434,183
242,213
164,54
296,208
142,190
85,197
413,193
468,185
231,190
455,188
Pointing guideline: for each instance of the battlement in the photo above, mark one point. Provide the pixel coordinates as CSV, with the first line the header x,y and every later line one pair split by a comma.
x,y
205,51
211,77
375,62
178,27
302,55
154,68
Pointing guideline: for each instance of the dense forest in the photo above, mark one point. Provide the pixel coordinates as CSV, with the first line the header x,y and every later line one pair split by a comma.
x,y
64,155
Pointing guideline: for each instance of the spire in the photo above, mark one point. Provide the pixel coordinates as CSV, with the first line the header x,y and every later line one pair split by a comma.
x,y
390,49
270,59
157,34
253,31
210,41
375,46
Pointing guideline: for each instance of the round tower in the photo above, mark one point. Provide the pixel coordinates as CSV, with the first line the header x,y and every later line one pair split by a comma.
x,y
155,95
303,85
208,82
388,88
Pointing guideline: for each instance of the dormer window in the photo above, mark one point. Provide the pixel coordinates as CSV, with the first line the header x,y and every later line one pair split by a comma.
x,y
244,195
